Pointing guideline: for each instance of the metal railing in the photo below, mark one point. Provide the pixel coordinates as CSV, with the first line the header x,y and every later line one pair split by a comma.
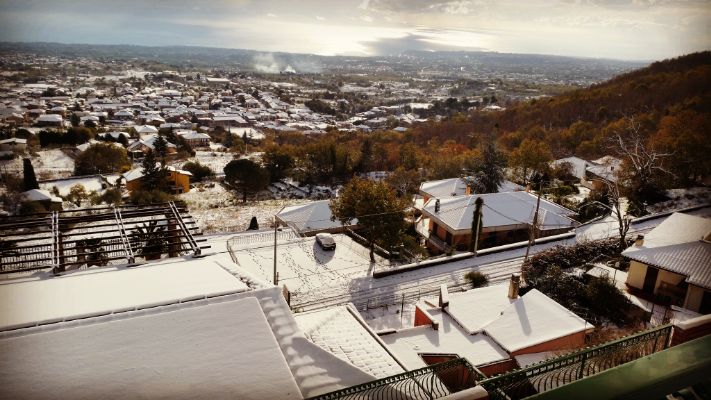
x,y
432,382
550,374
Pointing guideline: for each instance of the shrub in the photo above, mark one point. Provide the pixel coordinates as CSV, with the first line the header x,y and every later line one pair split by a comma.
x,y
198,170
476,278
567,257
101,158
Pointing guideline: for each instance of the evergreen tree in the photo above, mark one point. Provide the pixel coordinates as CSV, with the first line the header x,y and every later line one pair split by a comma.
x,y
490,168
161,148
153,173
253,224
28,173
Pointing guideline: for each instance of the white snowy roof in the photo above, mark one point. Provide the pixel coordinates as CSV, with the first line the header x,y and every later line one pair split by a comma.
x,y
342,332
40,195
110,290
192,135
314,216
450,338
214,350
458,187
679,244
50,118
500,209
146,129
532,319
606,168
488,301
578,164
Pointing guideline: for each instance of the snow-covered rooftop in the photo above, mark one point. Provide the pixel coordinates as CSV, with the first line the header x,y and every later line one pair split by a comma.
x,y
341,331
457,187
489,301
100,291
532,319
214,350
309,217
500,209
449,338
679,244
40,195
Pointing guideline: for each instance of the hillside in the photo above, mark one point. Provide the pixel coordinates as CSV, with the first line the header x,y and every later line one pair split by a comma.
x,y
668,102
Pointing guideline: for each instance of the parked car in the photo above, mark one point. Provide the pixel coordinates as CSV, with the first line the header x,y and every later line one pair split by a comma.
x,y
326,241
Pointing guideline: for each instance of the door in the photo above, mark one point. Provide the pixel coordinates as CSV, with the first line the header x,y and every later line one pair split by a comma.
x,y
705,303
650,280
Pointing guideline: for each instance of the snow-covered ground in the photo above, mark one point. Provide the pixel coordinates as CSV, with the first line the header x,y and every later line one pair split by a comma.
x,y
682,198
48,164
215,209
216,160
309,272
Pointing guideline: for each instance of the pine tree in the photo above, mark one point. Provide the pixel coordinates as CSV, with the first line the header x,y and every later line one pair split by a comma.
x,y
153,173
491,168
161,148
28,173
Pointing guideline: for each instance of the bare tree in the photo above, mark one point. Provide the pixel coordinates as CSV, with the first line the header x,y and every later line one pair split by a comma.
x,y
643,164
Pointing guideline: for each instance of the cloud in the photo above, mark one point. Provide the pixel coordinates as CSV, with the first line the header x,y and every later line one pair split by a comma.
x,y
423,40
270,15
320,18
367,18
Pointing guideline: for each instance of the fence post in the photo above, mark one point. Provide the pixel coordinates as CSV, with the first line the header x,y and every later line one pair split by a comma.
x,y
582,364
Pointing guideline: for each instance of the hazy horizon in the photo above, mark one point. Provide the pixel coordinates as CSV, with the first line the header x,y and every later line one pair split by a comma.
x,y
635,30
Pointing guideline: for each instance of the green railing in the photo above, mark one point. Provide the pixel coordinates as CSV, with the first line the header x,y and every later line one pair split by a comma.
x,y
559,371
427,383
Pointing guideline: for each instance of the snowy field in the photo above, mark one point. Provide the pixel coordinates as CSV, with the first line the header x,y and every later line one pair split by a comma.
x,y
216,160
48,164
216,210
308,271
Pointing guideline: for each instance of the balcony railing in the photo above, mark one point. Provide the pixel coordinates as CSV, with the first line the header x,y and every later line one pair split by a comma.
x,y
559,371
432,382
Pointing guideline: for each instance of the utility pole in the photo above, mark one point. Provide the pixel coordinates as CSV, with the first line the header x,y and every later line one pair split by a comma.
x,y
532,235
276,276
479,202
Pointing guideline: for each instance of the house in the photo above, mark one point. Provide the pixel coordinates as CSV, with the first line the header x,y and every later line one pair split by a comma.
x,y
456,187
447,223
673,263
179,180
603,172
578,168
172,329
13,145
50,120
142,146
44,198
489,326
311,218
195,139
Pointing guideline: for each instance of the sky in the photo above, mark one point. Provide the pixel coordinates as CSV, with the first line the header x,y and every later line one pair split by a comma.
x,y
640,30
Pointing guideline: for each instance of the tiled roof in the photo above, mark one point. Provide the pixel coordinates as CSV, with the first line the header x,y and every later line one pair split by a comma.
x,y
676,245
500,209
312,216
338,331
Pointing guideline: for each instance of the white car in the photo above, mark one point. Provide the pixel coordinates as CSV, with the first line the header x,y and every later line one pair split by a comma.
x,y
325,240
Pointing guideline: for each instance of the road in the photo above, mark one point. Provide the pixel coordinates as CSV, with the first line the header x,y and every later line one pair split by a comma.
x,y
409,286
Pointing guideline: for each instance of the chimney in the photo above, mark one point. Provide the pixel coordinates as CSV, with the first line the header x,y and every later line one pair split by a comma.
x,y
639,241
443,296
437,205
514,286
